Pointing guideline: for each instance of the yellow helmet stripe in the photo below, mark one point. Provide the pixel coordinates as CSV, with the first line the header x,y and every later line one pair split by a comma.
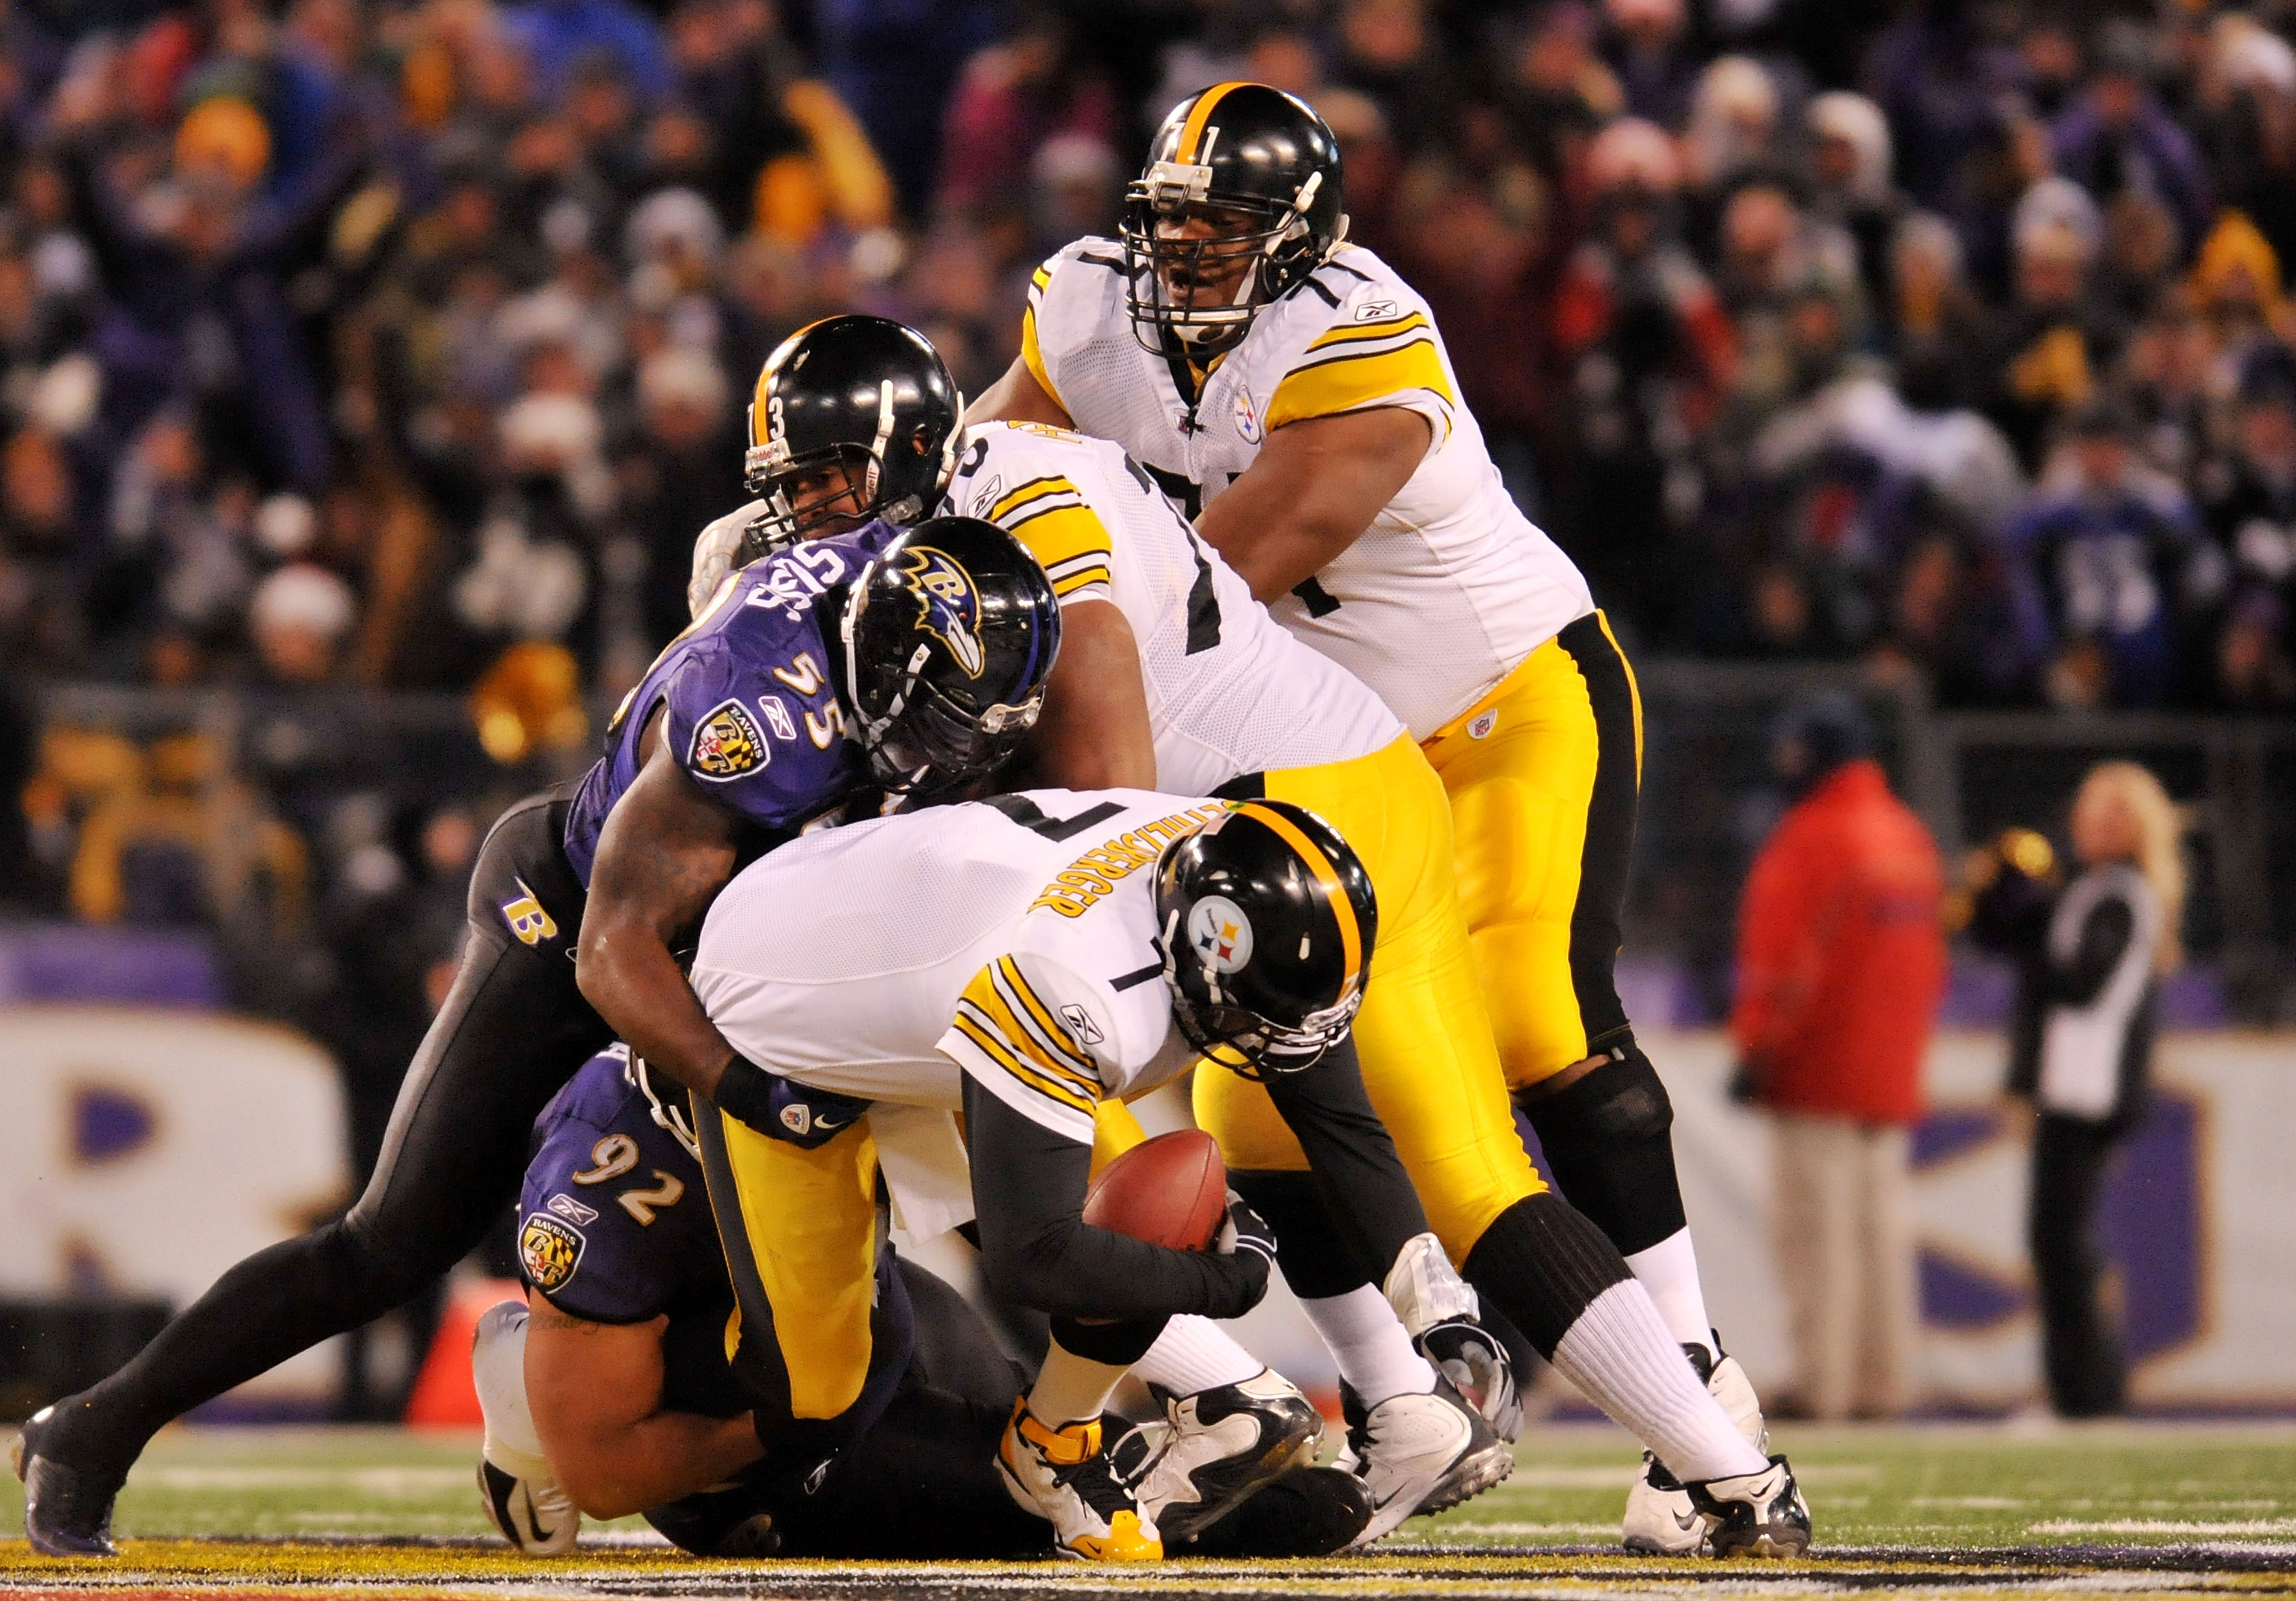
x,y
1191,131
1343,909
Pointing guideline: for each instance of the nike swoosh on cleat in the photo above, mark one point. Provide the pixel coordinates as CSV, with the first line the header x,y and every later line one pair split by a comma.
x,y
1684,1522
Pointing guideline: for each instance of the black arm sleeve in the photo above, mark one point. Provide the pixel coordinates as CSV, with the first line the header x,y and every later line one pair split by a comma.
x,y
1035,1248
1352,1156
2105,939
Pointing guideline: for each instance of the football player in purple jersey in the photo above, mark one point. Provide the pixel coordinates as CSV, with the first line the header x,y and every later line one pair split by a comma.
x,y
886,654
609,1392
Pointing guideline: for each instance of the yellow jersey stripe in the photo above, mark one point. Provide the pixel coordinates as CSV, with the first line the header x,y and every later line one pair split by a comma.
x,y
1033,355
1061,536
993,1046
1345,382
988,1001
1355,332
994,1013
1343,911
1035,489
1041,277
1191,131
1050,1030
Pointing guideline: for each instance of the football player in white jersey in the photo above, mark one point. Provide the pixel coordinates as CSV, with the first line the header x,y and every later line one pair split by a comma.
x,y
1024,959
1290,392
1200,691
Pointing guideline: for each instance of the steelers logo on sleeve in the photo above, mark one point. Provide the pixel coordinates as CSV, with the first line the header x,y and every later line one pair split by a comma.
x,y
549,1251
729,744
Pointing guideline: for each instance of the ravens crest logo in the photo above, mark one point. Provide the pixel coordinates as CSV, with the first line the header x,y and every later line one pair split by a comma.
x,y
729,744
950,605
549,1251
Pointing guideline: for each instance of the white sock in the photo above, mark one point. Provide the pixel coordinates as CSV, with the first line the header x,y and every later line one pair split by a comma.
x,y
1669,1272
1194,1354
1375,1356
1073,1389
1621,1356
498,1372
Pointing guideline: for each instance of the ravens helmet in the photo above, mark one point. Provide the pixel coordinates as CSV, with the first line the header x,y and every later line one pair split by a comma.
x,y
1239,203
854,417
950,634
1267,920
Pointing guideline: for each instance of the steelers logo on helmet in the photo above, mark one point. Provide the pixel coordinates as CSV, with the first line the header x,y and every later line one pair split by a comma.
x,y
1220,933
951,609
1268,922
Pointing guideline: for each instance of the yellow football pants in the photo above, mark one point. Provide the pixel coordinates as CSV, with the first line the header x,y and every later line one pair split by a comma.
x,y
803,1259
1423,1035
1544,774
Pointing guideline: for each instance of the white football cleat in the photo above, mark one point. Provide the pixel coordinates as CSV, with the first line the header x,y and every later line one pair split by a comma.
x,y
1754,1514
1064,1475
1219,1445
1419,1453
1660,1519
523,1496
526,1502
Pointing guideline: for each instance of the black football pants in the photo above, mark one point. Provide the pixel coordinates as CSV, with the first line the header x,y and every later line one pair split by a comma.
x,y
513,1029
2080,1349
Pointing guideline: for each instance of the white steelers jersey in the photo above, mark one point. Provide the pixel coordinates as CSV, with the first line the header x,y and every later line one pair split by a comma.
x,y
1229,691
1010,939
1450,588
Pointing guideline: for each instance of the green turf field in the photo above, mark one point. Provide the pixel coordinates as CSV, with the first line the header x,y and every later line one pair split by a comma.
x,y
2119,1508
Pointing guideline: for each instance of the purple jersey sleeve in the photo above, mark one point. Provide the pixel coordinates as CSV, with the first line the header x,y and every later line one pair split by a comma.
x,y
746,699
614,1223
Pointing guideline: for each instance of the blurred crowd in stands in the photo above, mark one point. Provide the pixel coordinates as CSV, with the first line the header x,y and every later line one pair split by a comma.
x,y
405,343
368,341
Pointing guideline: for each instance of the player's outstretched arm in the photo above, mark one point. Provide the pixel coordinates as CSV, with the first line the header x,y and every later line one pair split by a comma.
x,y
595,1392
1028,1188
1017,398
1313,487
1093,733
665,852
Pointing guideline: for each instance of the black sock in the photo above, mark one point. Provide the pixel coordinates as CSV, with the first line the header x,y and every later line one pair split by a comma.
x,y
1541,1264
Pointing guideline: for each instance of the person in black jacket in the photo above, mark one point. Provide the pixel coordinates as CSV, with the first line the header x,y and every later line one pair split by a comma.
x,y
2091,956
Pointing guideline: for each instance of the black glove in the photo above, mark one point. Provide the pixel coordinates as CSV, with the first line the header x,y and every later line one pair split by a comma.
x,y
1247,1239
781,1109
1476,1364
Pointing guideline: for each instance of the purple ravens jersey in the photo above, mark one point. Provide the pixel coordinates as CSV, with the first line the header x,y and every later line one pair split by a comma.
x,y
614,1227
746,698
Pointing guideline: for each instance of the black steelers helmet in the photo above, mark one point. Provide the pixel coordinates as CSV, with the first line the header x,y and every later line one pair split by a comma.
x,y
1265,171
1267,921
865,393
949,634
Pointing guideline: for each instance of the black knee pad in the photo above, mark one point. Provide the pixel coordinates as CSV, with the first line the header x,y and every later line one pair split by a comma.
x,y
1609,1146
1317,1259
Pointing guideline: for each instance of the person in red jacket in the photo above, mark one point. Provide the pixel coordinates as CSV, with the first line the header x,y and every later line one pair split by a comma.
x,y
1841,961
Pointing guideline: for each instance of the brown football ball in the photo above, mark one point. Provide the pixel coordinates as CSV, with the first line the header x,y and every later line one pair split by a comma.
x,y
1171,1191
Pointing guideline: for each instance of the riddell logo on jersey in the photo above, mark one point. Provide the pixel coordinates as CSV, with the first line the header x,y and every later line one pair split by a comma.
x,y
1101,868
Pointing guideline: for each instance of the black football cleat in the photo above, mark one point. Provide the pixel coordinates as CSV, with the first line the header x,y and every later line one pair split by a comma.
x,y
1215,1448
1754,1514
67,1509
1312,1512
